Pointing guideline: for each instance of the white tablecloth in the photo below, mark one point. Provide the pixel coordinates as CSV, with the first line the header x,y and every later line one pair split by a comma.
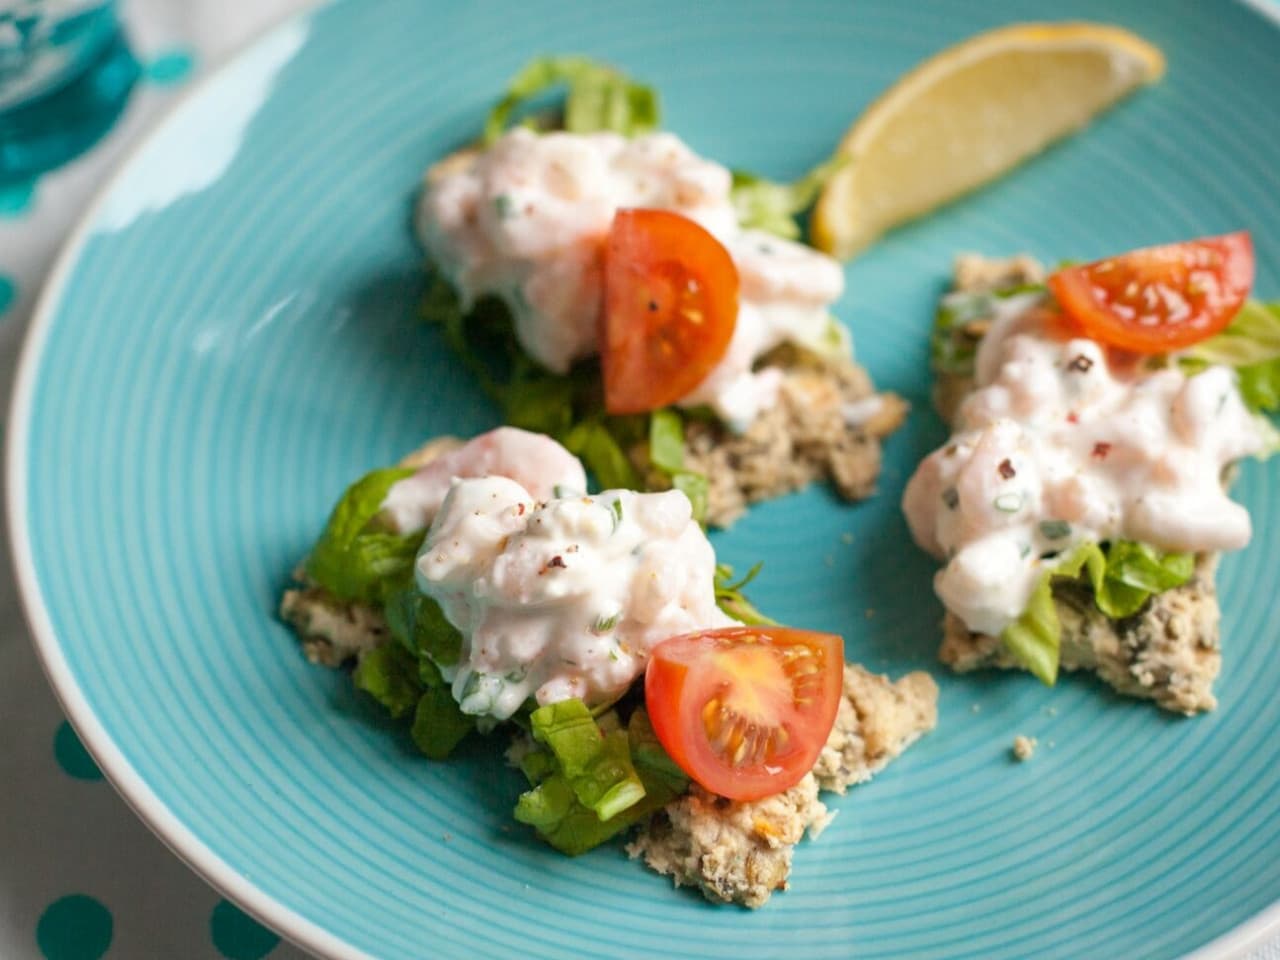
x,y
80,876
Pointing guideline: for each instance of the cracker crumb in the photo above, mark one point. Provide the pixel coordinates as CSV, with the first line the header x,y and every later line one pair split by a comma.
x,y
804,437
846,538
1024,748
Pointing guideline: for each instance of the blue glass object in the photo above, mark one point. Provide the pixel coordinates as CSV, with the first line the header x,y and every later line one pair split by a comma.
x,y
65,74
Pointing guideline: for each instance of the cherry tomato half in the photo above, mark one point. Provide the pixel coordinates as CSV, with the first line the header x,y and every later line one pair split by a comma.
x,y
671,304
1159,299
745,711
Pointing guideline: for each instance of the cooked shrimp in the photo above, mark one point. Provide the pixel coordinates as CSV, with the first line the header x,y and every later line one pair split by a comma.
x,y
533,460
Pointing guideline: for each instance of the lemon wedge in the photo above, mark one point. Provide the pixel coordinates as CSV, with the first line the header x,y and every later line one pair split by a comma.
x,y
969,114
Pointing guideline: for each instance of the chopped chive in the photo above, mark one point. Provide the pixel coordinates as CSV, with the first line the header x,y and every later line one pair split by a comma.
x,y
1054,529
604,624
1008,502
616,506
503,206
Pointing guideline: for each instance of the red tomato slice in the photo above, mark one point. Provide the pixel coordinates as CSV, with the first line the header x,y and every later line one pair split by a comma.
x,y
1159,298
671,303
745,711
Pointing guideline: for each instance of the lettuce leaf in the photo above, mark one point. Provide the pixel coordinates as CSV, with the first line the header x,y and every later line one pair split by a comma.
x,y
389,674
765,205
1123,576
1133,573
554,807
666,440
597,766
420,625
598,98
662,777
354,559
1251,344
438,724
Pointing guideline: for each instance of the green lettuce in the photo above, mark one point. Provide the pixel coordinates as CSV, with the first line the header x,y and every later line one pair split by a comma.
x,y
1251,344
355,558
765,205
438,724
417,621
666,440
595,764
1123,575
410,686
598,97
389,674
554,806
730,599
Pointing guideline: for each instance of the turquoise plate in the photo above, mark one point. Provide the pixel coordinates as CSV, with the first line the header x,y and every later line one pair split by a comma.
x,y
231,337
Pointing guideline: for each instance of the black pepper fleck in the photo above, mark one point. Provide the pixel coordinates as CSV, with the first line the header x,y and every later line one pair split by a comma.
x,y
1006,469
1080,363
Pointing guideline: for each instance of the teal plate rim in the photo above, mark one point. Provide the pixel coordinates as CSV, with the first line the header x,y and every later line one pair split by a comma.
x,y
176,834
119,772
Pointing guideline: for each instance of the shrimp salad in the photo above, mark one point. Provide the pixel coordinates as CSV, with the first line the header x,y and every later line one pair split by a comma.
x,y
1093,441
480,589
581,246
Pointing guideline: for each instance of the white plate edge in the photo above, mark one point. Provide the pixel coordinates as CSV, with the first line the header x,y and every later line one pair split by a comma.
x,y
119,772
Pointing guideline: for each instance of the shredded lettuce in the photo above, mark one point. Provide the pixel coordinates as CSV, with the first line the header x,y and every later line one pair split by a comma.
x,y
1133,573
666,440
420,625
354,558
438,724
1123,576
662,777
596,765
598,97
554,804
389,674
666,453
730,599
773,207
1251,344
599,449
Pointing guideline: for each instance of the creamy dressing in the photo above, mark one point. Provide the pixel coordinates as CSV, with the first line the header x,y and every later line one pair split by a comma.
x,y
565,597
1062,442
526,219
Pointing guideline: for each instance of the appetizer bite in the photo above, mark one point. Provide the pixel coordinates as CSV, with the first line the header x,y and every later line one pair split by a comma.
x,y
479,588
653,310
1080,505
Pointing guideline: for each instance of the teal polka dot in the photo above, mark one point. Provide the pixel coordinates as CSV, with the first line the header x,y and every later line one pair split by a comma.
x,y
237,936
8,293
71,755
74,928
16,199
170,68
